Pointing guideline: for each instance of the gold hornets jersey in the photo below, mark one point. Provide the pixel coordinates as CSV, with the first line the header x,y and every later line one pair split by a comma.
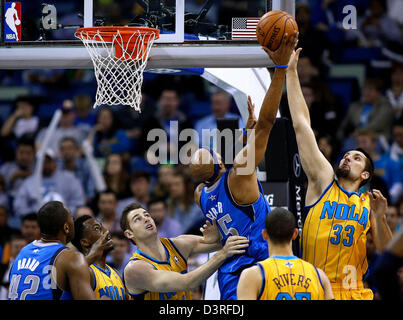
x,y
334,238
289,278
108,283
175,262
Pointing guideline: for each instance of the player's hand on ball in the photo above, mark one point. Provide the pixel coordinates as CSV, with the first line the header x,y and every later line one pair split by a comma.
x,y
210,232
282,55
235,245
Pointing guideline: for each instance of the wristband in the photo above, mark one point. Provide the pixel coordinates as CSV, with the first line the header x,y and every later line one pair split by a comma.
x,y
281,65
244,132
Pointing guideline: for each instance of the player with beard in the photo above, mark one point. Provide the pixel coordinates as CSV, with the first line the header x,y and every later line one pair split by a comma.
x,y
33,275
106,282
338,215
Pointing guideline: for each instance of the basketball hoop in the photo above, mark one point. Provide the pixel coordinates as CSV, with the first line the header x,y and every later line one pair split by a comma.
x,y
119,55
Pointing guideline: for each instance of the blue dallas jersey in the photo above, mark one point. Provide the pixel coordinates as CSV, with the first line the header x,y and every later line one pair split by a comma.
x,y
30,275
216,202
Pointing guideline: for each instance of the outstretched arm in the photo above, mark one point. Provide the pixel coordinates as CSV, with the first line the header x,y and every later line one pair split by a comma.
x,y
251,155
140,275
318,170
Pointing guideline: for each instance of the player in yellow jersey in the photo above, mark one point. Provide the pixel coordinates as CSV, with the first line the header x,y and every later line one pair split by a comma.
x,y
106,282
158,269
338,215
283,276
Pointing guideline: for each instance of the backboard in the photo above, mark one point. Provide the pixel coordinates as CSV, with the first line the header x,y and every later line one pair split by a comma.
x,y
194,33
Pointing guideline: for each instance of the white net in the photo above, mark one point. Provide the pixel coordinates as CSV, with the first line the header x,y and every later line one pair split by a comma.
x,y
119,59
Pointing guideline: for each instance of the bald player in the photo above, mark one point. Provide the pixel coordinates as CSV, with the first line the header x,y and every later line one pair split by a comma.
x,y
234,197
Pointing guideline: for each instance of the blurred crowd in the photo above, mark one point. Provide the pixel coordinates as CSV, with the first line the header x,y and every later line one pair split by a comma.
x,y
352,81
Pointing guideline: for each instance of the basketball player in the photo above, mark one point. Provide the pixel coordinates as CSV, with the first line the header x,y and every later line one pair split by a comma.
x,y
105,281
283,276
338,215
33,275
158,269
234,197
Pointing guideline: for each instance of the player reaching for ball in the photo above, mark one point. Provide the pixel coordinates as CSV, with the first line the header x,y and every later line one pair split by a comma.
x,y
338,214
234,197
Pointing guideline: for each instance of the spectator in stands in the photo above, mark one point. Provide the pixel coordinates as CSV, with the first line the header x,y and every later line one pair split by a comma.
x,y
396,149
107,204
385,167
116,175
106,136
166,226
120,255
40,81
83,211
140,186
329,147
377,27
3,195
22,121
166,118
395,92
5,232
373,112
165,174
307,72
17,242
15,172
66,128
392,218
220,108
71,160
85,118
312,40
56,184
30,227
181,205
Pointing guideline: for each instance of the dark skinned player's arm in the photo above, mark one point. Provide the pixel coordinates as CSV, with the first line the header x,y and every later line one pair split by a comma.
x,y
242,180
73,267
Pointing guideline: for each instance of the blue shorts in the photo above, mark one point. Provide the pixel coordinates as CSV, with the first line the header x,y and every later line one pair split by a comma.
x,y
228,283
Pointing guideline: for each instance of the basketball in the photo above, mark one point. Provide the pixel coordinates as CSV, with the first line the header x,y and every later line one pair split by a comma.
x,y
272,26
17,22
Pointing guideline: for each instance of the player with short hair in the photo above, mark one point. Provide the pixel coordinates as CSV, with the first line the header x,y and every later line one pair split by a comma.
x,y
158,269
283,276
339,215
46,269
105,281
234,197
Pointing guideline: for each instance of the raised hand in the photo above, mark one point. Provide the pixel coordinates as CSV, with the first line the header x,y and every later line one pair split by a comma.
x,y
210,232
379,204
282,55
250,124
104,243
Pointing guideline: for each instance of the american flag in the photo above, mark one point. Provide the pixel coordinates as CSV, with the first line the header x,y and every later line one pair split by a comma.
x,y
244,28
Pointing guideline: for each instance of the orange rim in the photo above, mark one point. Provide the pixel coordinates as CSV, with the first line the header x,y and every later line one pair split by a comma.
x,y
108,32
128,34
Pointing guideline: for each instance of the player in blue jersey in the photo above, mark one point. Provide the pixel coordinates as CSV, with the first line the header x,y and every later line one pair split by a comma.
x,y
234,197
46,269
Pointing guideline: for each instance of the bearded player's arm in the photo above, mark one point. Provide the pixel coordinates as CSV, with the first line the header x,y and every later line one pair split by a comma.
x,y
246,161
318,170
